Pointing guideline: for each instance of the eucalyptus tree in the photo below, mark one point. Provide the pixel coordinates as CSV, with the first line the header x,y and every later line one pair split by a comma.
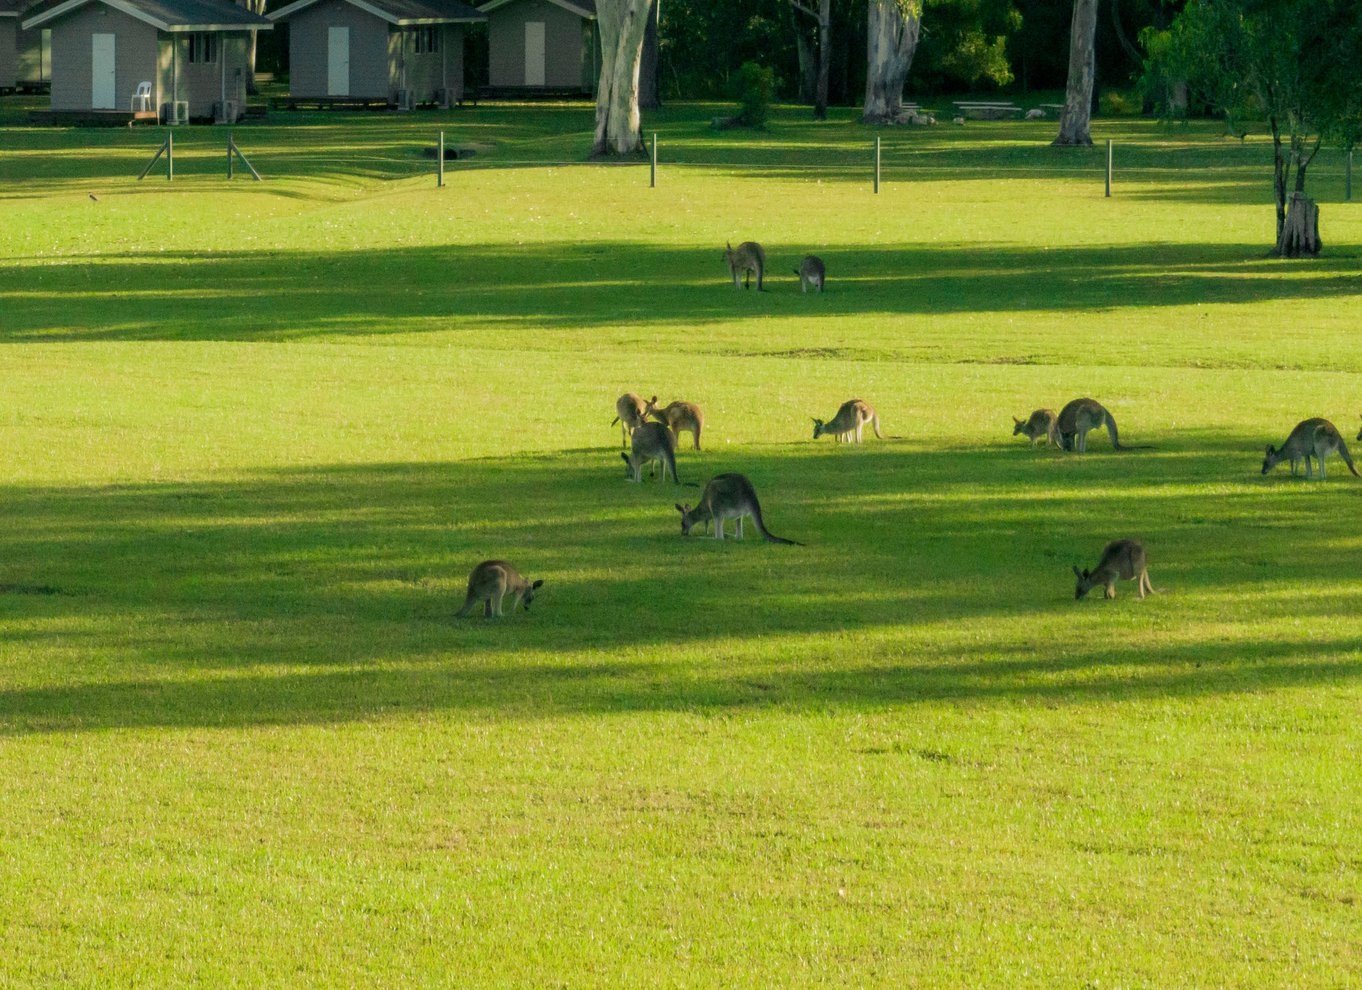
x,y
622,25
1074,121
1292,64
892,31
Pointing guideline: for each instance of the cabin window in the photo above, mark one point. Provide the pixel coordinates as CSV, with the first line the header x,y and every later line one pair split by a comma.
x,y
427,40
203,47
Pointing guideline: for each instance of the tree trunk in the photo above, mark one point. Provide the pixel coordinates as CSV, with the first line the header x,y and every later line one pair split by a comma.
x,y
255,7
1299,233
808,64
1073,124
650,68
622,24
820,98
892,30
1281,170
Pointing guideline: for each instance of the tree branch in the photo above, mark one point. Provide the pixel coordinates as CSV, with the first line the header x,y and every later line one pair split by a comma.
x,y
800,7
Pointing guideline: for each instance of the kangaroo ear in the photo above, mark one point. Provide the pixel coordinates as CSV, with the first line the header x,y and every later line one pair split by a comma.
x,y
1076,574
680,509
1016,420
1270,451
537,584
625,459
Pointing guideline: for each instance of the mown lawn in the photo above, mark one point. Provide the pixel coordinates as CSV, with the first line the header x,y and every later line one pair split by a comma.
x,y
256,435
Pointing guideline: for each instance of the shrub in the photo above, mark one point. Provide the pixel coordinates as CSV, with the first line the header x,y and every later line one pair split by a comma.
x,y
755,85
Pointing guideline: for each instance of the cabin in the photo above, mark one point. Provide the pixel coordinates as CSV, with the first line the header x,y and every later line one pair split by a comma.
x,y
397,53
167,60
9,50
541,46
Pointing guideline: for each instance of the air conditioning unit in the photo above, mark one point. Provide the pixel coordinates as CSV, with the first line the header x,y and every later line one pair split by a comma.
x,y
230,111
179,112
403,100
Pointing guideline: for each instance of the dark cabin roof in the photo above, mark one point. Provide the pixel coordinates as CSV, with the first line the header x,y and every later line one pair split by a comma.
x,y
168,15
399,11
582,8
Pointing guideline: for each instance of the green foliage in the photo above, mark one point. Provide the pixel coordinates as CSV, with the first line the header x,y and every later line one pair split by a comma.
x,y
754,85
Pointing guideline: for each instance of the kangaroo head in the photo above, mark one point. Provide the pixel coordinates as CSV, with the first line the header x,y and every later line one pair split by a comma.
x,y
1359,434
1271,458
686,521
1018,426
1085,582
529,594
628,464
818,427
728,252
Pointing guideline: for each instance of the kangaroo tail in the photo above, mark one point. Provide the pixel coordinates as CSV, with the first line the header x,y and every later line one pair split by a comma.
x,y
1347,458
614,421
769,536
1111,432
875,422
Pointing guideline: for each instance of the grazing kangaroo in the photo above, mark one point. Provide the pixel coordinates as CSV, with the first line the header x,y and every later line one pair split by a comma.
x,y
1080,417
728,496
1317,438
1122,560
1041,423
748,259
680,417
651,442
631,412
849,422
490,583
811,273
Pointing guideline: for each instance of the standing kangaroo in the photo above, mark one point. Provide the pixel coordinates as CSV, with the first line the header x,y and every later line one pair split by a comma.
x,y
728,496
849,422
680,417
651,442
1122,560
631,412
490,583
748,259
1317,438
811,273
1041,423
1080,417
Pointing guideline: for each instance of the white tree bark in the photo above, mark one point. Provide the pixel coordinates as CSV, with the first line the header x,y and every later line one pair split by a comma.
x,y
255,7
892,29
1073,124
622,24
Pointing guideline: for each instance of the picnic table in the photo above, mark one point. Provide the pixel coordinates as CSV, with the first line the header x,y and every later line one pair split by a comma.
x,y
987,109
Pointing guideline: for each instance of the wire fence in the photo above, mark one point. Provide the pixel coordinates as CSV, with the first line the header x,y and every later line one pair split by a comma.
x,y
877,164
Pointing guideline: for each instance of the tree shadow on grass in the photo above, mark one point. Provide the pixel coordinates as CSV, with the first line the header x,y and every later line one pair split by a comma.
x,y
482,288
328,595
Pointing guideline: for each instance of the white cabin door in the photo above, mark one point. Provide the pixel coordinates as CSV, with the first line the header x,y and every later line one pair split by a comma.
x,y
338,61
103,88
534,53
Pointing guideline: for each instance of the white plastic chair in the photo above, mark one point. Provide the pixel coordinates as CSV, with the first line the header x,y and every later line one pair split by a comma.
x,y
142,97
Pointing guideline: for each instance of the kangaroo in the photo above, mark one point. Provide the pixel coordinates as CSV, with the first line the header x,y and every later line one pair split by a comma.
x,y
749,258
490,583
849,422
728,496
811,273
1122,560
1080,417
651,442
680,417
631,412
1317,438
1041,423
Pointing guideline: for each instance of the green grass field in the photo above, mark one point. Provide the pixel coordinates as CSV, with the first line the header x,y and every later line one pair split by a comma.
x,y
256,435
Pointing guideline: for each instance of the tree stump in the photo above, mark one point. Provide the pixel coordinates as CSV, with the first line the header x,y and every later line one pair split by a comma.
x,y
1299,237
